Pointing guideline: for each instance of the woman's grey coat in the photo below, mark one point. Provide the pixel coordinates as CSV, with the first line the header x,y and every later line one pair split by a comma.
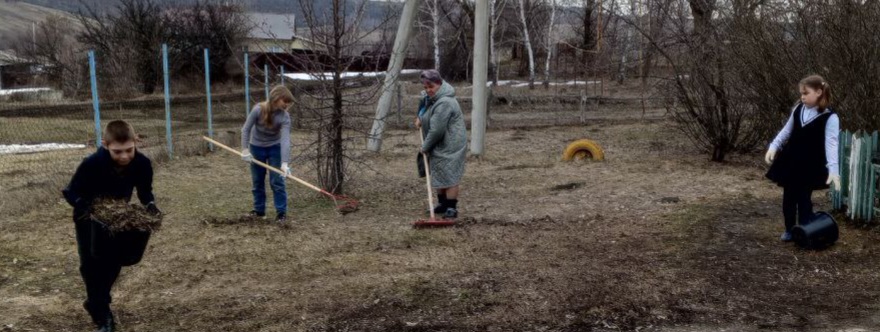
x,y
445,136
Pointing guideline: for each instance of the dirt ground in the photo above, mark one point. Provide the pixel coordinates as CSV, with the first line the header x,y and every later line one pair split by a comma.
x,y
655,238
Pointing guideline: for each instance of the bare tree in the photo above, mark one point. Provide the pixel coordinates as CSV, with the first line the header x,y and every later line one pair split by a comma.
x,y
658,17
128,39
626,45
334,33
549,44
456,51
527,42
199,25
53,44
496,11
130,36
431,9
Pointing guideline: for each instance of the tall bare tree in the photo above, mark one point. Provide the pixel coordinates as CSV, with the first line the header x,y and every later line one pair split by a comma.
x,y
527,43
128,37
549,43
204,24
335,32
53,43
496,12
431,9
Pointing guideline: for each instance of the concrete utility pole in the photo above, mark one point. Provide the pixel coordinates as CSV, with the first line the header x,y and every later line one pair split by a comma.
x,y
481,73
395,64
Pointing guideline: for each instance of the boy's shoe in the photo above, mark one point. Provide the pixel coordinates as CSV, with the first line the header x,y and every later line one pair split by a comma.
x,y
786,237
100,316
450,213
256,215
109,323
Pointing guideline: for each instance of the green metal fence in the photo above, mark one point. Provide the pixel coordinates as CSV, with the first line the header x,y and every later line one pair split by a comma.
x,y
859,171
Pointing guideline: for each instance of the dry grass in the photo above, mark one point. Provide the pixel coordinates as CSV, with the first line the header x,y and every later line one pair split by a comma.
x,y
532,251
656,238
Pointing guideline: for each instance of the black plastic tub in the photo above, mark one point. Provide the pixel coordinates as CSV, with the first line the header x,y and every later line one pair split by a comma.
x,y
821,232
127,248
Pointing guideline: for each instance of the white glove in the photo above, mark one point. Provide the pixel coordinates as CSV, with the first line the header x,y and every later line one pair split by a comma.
x,y
246,155
285,167
835,179
771,155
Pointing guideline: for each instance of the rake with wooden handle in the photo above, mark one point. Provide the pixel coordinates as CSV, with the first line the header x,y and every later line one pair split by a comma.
x,y
431,222
349,206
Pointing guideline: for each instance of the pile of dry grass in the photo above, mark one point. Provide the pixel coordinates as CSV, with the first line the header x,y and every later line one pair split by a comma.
x,y
121,216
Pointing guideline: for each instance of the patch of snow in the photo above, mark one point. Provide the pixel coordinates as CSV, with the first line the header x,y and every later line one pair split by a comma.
x,y
5,92
328,76
525,84
31,148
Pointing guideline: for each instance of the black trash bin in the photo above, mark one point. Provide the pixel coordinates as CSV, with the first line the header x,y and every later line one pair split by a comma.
x,y
821,232
125,247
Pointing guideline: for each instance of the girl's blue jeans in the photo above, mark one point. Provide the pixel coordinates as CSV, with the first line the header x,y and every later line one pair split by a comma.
x,y
270,155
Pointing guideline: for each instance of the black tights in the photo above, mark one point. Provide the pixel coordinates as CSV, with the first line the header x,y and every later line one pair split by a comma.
x,y
797,206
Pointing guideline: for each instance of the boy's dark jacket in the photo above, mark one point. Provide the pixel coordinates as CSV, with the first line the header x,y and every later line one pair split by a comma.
x,y
97,177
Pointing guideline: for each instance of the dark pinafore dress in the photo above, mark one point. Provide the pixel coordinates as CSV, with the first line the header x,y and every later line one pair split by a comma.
x,y
801,163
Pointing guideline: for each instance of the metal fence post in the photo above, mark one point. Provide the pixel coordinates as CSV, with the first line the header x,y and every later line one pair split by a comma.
x,y
266,78
247,85
95,103
282,74
167,101
208,94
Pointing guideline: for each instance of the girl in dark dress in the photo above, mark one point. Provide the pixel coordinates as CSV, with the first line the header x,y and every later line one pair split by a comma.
x,y
803,157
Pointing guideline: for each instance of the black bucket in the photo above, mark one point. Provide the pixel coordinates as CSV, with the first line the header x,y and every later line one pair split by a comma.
x,y
127,248
821,232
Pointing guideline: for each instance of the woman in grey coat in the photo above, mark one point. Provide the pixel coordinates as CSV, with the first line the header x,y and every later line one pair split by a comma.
x,y
445,143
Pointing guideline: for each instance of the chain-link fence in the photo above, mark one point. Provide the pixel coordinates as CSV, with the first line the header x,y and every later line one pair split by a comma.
x,y
44,135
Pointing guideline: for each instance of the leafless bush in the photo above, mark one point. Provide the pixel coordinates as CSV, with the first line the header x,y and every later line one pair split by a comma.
x,y
334,98
128,40
53,44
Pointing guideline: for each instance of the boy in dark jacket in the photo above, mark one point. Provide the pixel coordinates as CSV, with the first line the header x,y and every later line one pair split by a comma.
x,y
112,172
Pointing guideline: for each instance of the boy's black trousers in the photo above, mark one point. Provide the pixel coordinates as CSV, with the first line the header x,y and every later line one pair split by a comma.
x,y
98,274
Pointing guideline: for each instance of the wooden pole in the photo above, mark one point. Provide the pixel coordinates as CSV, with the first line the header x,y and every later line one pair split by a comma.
x,y
395,64
481,73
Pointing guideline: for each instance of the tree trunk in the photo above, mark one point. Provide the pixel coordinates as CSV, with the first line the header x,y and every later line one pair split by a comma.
x,y
627,41
336,175
549,44
527,43
493,65
435,18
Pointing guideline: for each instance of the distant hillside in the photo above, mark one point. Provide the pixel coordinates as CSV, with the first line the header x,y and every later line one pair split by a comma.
x,y
18,17
375,9
71,6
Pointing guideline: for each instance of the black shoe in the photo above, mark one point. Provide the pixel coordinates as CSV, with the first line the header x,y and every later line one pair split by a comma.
x,y
108,324
451,213
281,220
98,315
439,209
256,215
